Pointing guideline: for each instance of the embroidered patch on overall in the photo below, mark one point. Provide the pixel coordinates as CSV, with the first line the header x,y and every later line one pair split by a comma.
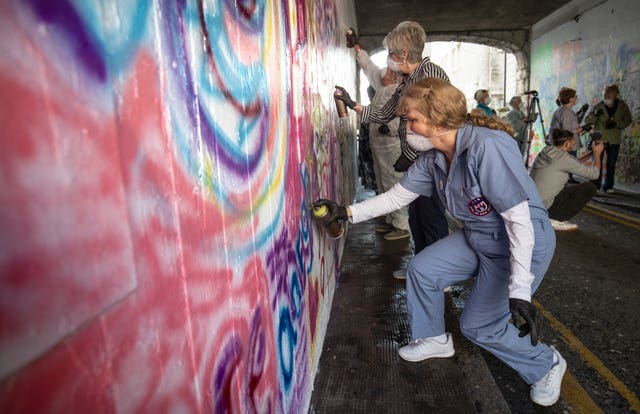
x,y
479,206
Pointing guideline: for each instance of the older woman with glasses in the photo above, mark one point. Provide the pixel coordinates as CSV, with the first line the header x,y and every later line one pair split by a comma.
x,y
405,44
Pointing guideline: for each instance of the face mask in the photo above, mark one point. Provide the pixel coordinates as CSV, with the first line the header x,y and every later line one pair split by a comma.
x,y
393,65
421,143
608,102
487,100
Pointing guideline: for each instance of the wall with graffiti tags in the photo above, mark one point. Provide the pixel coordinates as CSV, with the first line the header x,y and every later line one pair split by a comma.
x,y
158,161
586,48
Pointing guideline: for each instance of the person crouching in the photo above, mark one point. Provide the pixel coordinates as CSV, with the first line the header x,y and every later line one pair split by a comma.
x,y
551,171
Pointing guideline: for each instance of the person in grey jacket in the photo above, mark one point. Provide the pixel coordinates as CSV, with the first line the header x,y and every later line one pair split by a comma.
x,y
565,118
551,171
517,119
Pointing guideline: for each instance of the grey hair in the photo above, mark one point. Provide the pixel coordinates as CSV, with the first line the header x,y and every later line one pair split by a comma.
x,y
514,100
479,94
407,36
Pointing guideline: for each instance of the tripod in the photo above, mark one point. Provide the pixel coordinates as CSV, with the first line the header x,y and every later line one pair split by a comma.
x,y
532,114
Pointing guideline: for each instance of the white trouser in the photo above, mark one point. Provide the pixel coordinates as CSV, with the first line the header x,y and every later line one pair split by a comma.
x,y
386,150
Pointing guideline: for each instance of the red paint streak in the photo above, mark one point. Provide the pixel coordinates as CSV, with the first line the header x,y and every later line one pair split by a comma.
x,y
246,46
251,110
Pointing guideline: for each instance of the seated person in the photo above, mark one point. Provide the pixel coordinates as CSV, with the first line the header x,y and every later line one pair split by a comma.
x,y
551,171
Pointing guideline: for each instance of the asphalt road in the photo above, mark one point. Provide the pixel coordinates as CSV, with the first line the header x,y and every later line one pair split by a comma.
x,y
589,304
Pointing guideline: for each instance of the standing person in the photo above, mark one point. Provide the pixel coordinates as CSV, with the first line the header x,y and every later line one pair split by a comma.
x,y
565,118
551,171
482,97
405,44
383,138
517,119
475,168
610,117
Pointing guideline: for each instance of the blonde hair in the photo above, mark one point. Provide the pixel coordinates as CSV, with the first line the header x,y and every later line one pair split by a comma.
x,y
408,37
479,117
446,107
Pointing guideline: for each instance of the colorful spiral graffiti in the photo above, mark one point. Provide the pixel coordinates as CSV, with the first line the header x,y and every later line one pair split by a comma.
x,y
158,164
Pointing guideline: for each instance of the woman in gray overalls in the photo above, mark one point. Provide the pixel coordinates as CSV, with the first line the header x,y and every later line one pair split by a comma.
x,y
475,169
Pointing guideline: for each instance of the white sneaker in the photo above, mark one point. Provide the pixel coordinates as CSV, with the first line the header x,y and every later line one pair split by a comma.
x,y
546,391
610,191
423,348
563,225
400,274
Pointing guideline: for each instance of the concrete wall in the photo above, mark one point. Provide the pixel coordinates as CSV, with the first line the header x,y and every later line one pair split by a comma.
x,y
587,45
158,160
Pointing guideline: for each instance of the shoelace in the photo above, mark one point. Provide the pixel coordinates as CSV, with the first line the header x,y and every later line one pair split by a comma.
x,y
547,378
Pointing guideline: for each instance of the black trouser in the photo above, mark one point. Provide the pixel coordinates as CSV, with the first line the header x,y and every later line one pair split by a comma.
x,y
571,200
427,222
612,156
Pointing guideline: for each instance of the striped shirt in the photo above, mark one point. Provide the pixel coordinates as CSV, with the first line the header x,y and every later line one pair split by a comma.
x,y
382,115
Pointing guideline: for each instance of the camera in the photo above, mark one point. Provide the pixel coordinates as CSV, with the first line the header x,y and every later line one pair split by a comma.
x,y
595,136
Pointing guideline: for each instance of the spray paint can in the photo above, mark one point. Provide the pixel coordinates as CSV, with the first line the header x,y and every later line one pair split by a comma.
x,y
321,215
340,105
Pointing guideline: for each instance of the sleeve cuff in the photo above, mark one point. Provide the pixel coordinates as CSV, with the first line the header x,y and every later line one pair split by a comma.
x,y
520,292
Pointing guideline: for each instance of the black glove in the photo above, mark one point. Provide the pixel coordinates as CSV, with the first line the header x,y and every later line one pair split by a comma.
x,y
610,123
352,38
581,112
586,128
344,97
521,309
384,129
598,112
336,211
402,164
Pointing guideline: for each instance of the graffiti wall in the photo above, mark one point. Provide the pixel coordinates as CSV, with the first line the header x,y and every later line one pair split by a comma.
x,y
586,51
158,161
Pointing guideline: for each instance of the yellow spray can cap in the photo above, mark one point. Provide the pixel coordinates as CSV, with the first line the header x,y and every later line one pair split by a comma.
x,y
320,210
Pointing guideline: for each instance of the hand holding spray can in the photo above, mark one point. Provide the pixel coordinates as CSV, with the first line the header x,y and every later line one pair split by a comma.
x,y
340,105
321,215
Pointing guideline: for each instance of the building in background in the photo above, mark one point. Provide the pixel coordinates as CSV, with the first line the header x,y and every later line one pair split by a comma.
x,y
470,67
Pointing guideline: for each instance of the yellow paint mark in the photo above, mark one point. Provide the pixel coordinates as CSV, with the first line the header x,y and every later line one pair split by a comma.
x,y
577,346
577,397
613,216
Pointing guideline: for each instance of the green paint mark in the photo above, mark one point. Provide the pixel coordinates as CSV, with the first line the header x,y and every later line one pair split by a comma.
x,y
541,59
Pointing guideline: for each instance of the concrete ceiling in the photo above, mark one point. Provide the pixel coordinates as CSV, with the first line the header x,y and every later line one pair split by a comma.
x,y
452,19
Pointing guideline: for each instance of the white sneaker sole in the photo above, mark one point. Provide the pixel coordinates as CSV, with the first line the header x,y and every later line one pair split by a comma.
x,y
422,358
